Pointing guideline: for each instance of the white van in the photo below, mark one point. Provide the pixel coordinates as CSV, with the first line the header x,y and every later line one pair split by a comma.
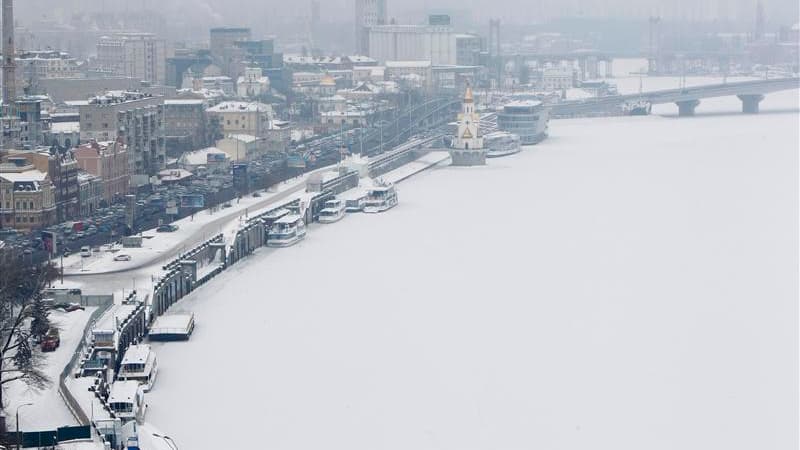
x,y
86,251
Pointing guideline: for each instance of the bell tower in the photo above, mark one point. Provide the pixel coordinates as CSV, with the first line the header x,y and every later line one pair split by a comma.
x,y
467,146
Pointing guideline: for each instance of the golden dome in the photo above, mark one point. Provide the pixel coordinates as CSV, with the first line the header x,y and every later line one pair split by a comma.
x,y
327,80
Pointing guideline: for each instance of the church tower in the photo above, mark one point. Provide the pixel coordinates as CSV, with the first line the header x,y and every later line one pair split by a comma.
x,y
467,146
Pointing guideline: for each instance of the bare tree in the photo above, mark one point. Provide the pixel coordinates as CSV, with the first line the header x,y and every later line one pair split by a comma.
x,y
23,318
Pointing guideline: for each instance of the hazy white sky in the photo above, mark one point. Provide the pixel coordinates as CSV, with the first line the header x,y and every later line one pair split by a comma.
x,y
520,11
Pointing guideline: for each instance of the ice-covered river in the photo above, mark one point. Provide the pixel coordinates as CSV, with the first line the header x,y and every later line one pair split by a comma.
x,y
629,283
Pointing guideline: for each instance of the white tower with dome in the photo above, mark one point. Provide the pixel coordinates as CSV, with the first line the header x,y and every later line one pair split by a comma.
x,y
467,147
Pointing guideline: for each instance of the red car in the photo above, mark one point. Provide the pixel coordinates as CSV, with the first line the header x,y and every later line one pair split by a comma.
x,y
51,340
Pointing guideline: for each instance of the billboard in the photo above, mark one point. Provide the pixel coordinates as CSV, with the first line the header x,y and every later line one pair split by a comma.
x,y
240,181
50,242
192,201
215,158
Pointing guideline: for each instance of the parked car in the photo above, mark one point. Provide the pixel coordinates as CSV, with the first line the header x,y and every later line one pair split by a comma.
x,y
51,340
86,251
68,307
167,228
122,257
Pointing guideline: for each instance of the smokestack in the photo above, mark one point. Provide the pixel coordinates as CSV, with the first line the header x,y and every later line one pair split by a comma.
x,y
9,72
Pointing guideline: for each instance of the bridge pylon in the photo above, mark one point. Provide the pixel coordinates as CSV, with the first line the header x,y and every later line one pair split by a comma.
x,y
750,103
686,107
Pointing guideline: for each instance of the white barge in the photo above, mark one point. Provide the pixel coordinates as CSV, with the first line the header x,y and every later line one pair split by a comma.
x,y
172,327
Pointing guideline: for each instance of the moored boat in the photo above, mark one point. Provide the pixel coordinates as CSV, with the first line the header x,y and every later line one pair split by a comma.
x,y
139,364
332,211
381,197
501,143
288,230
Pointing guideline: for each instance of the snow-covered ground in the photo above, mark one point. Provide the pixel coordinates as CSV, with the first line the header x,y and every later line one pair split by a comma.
x,y
48,410
629,283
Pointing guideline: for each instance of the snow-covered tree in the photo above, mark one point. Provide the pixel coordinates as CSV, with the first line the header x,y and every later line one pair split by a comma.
x,y
22,317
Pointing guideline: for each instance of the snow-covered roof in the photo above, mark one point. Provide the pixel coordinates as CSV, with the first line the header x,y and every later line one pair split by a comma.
x,y
407,64
234,106
171,322
174,174
65,127
184,101
124,391
107,321
361,59
28,175
246,138
523,103
199,157
136,354
289,218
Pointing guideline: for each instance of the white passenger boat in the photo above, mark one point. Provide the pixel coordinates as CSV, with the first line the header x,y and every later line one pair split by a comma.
x,y
501,143
355,204
139,364
332,211
127,400
380,198
286,231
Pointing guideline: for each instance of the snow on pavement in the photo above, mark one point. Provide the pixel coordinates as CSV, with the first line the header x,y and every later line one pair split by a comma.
x,y
191,230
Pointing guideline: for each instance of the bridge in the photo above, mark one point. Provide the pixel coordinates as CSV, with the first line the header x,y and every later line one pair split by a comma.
x,y
749,92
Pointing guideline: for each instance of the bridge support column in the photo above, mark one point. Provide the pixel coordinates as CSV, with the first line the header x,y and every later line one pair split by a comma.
x,y
686,108
750,103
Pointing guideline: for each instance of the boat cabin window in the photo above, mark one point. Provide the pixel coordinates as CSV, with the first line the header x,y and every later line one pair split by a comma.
x,y
134,367
122,407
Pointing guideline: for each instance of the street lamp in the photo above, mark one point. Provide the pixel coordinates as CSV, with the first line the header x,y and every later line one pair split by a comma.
x,y
17,414
168,440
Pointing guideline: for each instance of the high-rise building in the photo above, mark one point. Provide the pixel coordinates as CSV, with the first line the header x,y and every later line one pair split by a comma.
x,y
759,33
468,48
137,120
186,125
137,55
221,45
369,13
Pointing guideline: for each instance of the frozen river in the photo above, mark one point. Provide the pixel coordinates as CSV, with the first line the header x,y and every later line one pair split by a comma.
x,y
629,283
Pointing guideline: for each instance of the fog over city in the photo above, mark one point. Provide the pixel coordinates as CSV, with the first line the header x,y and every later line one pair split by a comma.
x,y
399,224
